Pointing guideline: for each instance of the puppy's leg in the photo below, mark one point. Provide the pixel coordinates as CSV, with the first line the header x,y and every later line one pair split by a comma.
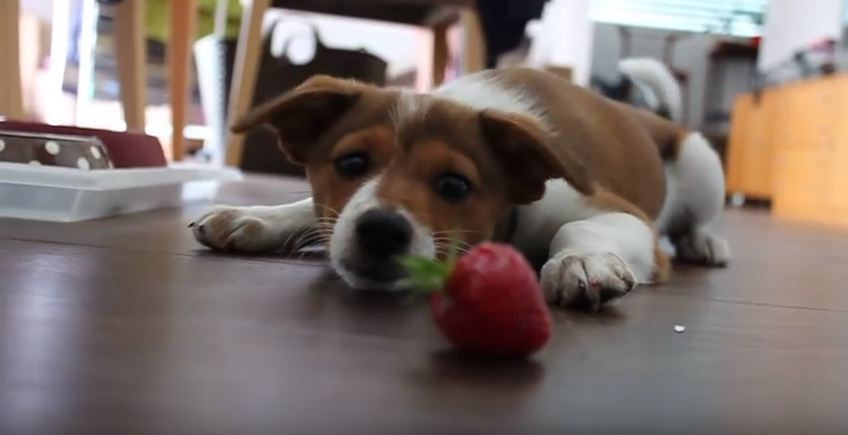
x,y
255,230
599,259
695,196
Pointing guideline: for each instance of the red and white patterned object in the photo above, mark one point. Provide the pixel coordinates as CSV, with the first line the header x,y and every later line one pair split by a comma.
x,y
78,152
125,149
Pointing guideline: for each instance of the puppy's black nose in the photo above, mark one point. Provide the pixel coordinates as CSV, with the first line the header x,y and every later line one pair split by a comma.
x,y
383,233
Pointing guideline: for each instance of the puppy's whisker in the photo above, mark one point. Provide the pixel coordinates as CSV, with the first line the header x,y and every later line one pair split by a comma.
x,y
287,243
328,208
309,241
308,236
451,232
450,239
455,242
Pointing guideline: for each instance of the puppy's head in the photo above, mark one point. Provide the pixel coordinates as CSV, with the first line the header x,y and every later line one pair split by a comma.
x,y
397,174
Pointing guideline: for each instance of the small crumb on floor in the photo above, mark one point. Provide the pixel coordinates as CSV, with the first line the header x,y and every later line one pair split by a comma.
x,y
679,329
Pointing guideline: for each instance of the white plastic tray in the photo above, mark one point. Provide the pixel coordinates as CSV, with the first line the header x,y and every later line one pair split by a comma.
x,y
58,194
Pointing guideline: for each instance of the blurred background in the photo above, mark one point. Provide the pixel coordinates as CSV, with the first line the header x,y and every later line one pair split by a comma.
x,y
763,79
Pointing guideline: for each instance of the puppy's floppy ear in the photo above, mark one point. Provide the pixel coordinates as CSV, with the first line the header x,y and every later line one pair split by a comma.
x,y
301,115
520,146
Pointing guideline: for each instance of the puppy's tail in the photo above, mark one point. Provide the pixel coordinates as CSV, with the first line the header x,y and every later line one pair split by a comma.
x,y
657,83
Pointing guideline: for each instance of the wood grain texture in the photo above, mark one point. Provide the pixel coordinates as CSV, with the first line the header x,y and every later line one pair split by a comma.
x,y
125,325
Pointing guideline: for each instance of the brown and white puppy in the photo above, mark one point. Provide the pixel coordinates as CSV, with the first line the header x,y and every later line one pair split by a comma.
x,y
582,184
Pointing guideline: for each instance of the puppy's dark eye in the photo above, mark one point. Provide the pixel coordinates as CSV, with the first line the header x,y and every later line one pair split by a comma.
x,y
352,165
453,187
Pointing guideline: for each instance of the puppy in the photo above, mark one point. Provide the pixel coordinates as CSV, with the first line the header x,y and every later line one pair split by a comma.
x,y
583,185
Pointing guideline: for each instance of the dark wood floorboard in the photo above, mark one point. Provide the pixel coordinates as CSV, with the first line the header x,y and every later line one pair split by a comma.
x,y
124,325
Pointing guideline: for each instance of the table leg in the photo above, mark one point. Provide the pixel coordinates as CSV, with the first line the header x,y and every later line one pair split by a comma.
x,y
131,56
441,53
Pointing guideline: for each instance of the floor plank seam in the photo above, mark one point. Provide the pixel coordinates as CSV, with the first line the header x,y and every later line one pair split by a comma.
x,y
193,254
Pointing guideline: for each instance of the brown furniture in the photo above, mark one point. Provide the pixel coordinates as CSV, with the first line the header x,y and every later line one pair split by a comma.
x,y
791,145
11,94
433,15
130,52
126,326
130,58
125,149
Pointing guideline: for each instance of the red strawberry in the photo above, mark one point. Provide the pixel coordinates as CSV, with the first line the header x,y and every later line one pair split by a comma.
x,y
491,304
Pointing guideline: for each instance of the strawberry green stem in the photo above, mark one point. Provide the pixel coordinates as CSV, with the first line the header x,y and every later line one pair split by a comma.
x,y
428,275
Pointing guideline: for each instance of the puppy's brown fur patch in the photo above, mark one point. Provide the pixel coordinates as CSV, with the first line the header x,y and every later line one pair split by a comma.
x,y
409,183
330,191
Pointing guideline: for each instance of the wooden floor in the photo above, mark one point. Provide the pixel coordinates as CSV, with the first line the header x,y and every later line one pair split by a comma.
x,y
125,326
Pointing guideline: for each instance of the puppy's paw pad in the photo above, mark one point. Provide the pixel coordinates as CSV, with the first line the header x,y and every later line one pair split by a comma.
x,y
594,277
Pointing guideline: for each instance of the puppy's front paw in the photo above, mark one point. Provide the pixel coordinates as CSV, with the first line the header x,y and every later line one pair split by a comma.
x,y
595,277
236,230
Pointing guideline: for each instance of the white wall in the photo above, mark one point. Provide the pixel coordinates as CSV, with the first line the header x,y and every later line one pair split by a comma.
x,y
43,9
794,24
563,37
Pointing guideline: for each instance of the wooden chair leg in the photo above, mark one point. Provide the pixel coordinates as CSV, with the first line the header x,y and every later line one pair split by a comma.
x,y
248,55
433,57
474,45
182,29
11,96
131,56
441,54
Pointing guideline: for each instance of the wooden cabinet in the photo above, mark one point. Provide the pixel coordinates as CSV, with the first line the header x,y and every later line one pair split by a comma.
x,y
791,145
